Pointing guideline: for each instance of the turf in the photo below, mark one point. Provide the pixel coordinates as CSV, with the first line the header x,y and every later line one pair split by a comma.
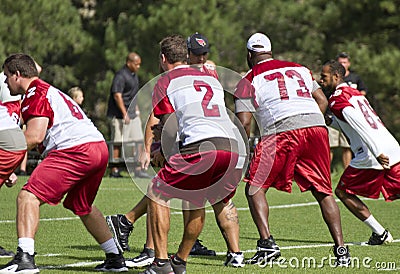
x,y
64,246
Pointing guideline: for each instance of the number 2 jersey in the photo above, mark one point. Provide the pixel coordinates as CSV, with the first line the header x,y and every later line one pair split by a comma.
x,y
280,93
367,135
68,125
197,98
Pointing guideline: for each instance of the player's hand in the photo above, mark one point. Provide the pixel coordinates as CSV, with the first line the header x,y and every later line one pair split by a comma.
x,y
383,160
328,119
127,120
144,159
12,180
158,159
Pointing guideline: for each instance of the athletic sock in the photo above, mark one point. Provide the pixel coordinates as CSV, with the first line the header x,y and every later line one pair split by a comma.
x,y
177,260
27,245
374,225
109,246
160,262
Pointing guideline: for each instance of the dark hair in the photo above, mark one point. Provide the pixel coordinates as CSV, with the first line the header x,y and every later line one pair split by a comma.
x,y
23,63
343,55
335,67
174,47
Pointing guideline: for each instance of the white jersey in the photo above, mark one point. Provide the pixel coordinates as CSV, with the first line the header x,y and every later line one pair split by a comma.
x,y
68,125
11,102
197,99
6,122
276,90
367,135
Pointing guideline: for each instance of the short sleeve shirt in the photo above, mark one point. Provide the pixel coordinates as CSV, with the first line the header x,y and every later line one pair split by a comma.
x,y
126,83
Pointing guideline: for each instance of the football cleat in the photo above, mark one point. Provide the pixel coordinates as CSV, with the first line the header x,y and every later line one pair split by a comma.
x,y
376,239
177,264
5,253
21,263
267,250
145,258
159,268
112,263
121,228
342,256
234,259
199,249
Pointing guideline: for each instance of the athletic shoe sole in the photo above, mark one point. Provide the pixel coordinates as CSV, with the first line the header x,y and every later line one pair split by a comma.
x,y
143,263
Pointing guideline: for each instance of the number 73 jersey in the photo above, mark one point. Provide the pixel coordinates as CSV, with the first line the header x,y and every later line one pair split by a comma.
x,y
68,125
197,99
276,90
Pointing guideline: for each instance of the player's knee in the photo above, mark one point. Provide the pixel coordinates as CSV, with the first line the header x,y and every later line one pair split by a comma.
x,y
339,193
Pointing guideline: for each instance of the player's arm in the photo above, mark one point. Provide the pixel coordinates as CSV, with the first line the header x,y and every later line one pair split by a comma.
x,y
245,118
169,133
358,122
321,100
121,106
35,132
144,157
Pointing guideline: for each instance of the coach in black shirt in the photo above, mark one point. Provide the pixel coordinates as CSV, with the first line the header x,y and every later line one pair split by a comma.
x,y
123,110
351,78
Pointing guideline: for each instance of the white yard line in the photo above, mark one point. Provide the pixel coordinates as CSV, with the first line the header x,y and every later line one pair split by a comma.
x,y
207,211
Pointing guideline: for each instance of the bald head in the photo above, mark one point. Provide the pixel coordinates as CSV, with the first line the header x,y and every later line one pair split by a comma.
x,y
132,57
133,61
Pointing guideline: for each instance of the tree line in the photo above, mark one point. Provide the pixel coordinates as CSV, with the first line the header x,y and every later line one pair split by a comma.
x,y
84,42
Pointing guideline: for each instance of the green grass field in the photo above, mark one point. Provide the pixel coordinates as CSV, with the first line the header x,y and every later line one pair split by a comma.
x,y
64,246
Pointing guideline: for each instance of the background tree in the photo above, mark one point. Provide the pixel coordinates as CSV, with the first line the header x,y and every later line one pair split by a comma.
x,y
83,42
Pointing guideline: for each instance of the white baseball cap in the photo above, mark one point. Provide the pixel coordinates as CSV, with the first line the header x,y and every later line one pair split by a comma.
x,y
259,42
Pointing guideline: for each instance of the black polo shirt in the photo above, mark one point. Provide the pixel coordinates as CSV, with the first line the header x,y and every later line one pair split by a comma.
x,y
127,83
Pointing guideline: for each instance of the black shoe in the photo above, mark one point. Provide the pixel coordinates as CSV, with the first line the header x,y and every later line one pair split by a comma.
x,y
267,250
22,263
342,256
159,268
121,228
145,258
6,253
376,239
199,249
142,174
115,174
112,263
178,265
21,173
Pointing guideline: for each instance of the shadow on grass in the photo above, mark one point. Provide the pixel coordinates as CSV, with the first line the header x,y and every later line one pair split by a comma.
x,y
299,241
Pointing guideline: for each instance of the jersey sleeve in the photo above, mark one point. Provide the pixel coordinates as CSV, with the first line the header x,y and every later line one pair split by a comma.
x,y
35,104
357,121
337,102
361,85
315,86
118,83
160,100
244,96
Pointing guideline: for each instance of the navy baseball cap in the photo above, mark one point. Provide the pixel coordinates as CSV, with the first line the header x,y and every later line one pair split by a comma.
x,y
198,44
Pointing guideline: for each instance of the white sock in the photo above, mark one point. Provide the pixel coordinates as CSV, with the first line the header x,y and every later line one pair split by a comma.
x,y
27,245
109,246
374,225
